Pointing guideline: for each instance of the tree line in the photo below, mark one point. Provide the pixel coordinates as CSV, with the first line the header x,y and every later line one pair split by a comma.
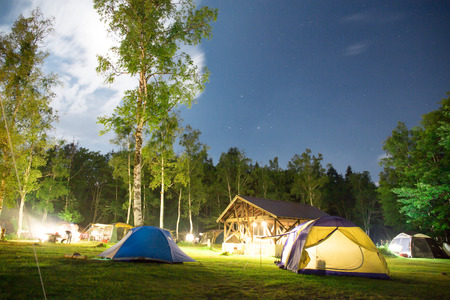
x,y
147,181
187,191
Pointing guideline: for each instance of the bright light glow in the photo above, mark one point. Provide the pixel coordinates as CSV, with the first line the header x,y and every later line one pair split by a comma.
x,y
263,223
254,224
396,248
190,238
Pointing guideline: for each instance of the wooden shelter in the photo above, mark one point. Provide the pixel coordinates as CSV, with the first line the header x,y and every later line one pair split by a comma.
x,y
248,221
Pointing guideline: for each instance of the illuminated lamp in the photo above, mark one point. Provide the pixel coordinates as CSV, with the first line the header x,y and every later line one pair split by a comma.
x,y
189,238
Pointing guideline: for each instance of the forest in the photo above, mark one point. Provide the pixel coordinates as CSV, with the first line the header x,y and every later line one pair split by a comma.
x,y
82,186
162,174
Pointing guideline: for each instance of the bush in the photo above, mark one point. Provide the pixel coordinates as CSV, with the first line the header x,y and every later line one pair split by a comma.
x,y
11,236
385,251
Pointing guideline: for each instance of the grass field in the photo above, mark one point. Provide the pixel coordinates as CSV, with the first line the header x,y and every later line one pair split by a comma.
x,y
214,276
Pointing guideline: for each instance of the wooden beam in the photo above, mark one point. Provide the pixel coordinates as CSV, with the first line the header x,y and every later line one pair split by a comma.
x,y
225,235
238,221
275,230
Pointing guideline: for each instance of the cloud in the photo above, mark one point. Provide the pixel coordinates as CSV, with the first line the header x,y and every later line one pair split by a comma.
x,y
359,17
356,49
79,37
373,17
382,156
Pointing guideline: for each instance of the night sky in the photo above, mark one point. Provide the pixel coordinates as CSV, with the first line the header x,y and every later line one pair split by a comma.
x,y
331,76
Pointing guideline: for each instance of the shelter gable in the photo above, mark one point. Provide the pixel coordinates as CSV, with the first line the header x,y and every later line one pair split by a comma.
x,y
241,206
248,218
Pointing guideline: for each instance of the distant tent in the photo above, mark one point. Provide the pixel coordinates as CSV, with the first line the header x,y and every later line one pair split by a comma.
x,y
107,232
147,243
416,246
119,231
446,248
332,246
214,236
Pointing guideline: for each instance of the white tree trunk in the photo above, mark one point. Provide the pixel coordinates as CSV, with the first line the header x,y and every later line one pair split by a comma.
x,y
20,220
161,211
137,207
189,201
179,213
130,190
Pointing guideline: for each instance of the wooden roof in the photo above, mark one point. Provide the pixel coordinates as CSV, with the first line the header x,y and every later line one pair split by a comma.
x,y
272,208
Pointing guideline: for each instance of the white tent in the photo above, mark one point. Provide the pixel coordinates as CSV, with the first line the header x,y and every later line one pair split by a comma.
x,y
416,246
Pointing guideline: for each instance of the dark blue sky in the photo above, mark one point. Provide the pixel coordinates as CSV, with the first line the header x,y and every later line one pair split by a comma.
x,y
332,76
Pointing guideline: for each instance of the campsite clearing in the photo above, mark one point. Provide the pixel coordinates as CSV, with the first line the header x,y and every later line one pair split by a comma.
x,y
213,276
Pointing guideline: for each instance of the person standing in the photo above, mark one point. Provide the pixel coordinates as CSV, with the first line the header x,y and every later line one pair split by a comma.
x,y
68,236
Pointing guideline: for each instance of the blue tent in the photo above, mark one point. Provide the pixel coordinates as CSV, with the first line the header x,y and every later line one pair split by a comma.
x,y
147,243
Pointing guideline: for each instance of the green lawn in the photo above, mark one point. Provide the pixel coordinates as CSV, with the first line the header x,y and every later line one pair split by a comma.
x,y
214,276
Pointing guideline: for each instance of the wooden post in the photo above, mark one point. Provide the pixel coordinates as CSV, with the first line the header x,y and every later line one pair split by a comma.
x,y
238,221
274,230
225,233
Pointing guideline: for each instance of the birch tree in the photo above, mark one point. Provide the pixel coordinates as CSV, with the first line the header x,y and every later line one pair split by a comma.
x,y
233,170
121,162
192,158
150,34
25,95
161,156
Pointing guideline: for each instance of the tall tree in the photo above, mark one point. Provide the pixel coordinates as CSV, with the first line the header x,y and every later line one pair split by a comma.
x,y
91,185
367,207
280,182
234,169
26,93
262,182
121,162
150,33
53,185
333,201
160,154
192,158
390,205
216,202
310,177
420,159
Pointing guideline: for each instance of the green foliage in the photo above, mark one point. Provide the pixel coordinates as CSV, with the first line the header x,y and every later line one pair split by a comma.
x,y
150,35
426,204
25,95
418,160
367,208
309,178
389,201
71,216
261,180
160,157
337,195
159,153
53,183
233,172
191,171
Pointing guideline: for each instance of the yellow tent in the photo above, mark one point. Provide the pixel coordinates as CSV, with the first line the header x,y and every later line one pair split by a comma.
x,y
332,246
